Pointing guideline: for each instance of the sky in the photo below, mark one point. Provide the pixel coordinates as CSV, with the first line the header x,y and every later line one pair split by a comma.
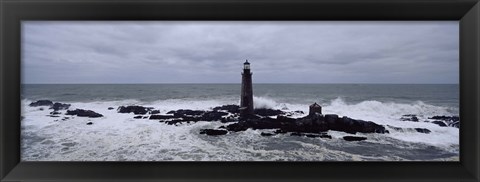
x,y
214,51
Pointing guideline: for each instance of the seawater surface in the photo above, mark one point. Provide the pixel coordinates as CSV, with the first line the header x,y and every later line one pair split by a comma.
x,y
119,137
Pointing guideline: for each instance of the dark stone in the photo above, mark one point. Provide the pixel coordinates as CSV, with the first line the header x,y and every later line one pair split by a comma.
x,y
155,112
266,134
213,116
138,117
89,123
54,113
318,136
59,106
41,103
446,118
267,112
409,117
440,123
309,124
213,132
84,113
296,134
161,117
422,130
229,108
134,109
228,119
53,116
111,108
354,138
185,112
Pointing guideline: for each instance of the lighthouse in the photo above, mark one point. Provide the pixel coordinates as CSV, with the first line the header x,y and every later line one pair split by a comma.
x,y
246,100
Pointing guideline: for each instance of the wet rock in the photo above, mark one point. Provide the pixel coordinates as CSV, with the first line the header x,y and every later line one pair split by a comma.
x,y
309,124
213,116
268,112
446,118
84,113
228,119
229,108
155,112
53,116
422,130
54,113
161,117
41,103
409,117
354,138
440,123
138,117
185,112
266,134
296,134
89,123
59,106
110,108
318,136
213,132
134,109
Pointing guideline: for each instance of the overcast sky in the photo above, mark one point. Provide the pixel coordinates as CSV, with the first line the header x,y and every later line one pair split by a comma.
x,y
214,52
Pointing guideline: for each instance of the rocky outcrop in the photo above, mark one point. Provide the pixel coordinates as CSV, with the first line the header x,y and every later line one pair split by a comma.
x,y
235,109
439,123
41,103
84,113
134,109
213,132
310,124
268,112
354,138
59,106
409,117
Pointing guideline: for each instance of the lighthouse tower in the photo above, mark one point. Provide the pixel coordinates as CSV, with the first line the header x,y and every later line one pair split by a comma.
x,y
246,100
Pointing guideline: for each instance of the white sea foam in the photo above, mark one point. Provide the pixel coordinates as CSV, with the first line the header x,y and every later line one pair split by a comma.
x,y
118,136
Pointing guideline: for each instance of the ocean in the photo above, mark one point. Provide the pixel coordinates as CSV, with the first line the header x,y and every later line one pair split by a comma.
x,y
119,137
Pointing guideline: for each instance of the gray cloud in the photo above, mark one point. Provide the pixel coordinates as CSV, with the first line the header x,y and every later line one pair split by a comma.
x,y
213,52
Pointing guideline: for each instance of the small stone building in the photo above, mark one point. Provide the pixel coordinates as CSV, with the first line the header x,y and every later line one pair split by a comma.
x,y
315,109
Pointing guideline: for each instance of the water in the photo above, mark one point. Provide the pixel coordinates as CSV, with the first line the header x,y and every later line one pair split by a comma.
x,y
119,137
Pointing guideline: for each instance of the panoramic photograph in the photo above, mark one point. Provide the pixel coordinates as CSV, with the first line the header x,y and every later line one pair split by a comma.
x,y
240,91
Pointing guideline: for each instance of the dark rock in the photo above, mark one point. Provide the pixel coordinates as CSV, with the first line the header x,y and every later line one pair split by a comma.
x,y
422,130
111,108
296,134
318,135
309,124
84,113
409,117
134,109
41,103
213,116
53,116
228,119
185,112
59,106
213,132
155,112
455,124
268,112
161,117
446,118
54,113
89,123
145,117
138,117
229,108
354,138
280,131
440,123
266,134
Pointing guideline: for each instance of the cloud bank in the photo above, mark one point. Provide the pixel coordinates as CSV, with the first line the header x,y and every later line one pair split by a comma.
x,y
213,52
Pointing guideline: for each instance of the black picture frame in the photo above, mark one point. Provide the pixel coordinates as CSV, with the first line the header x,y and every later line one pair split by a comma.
x,y
12,12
